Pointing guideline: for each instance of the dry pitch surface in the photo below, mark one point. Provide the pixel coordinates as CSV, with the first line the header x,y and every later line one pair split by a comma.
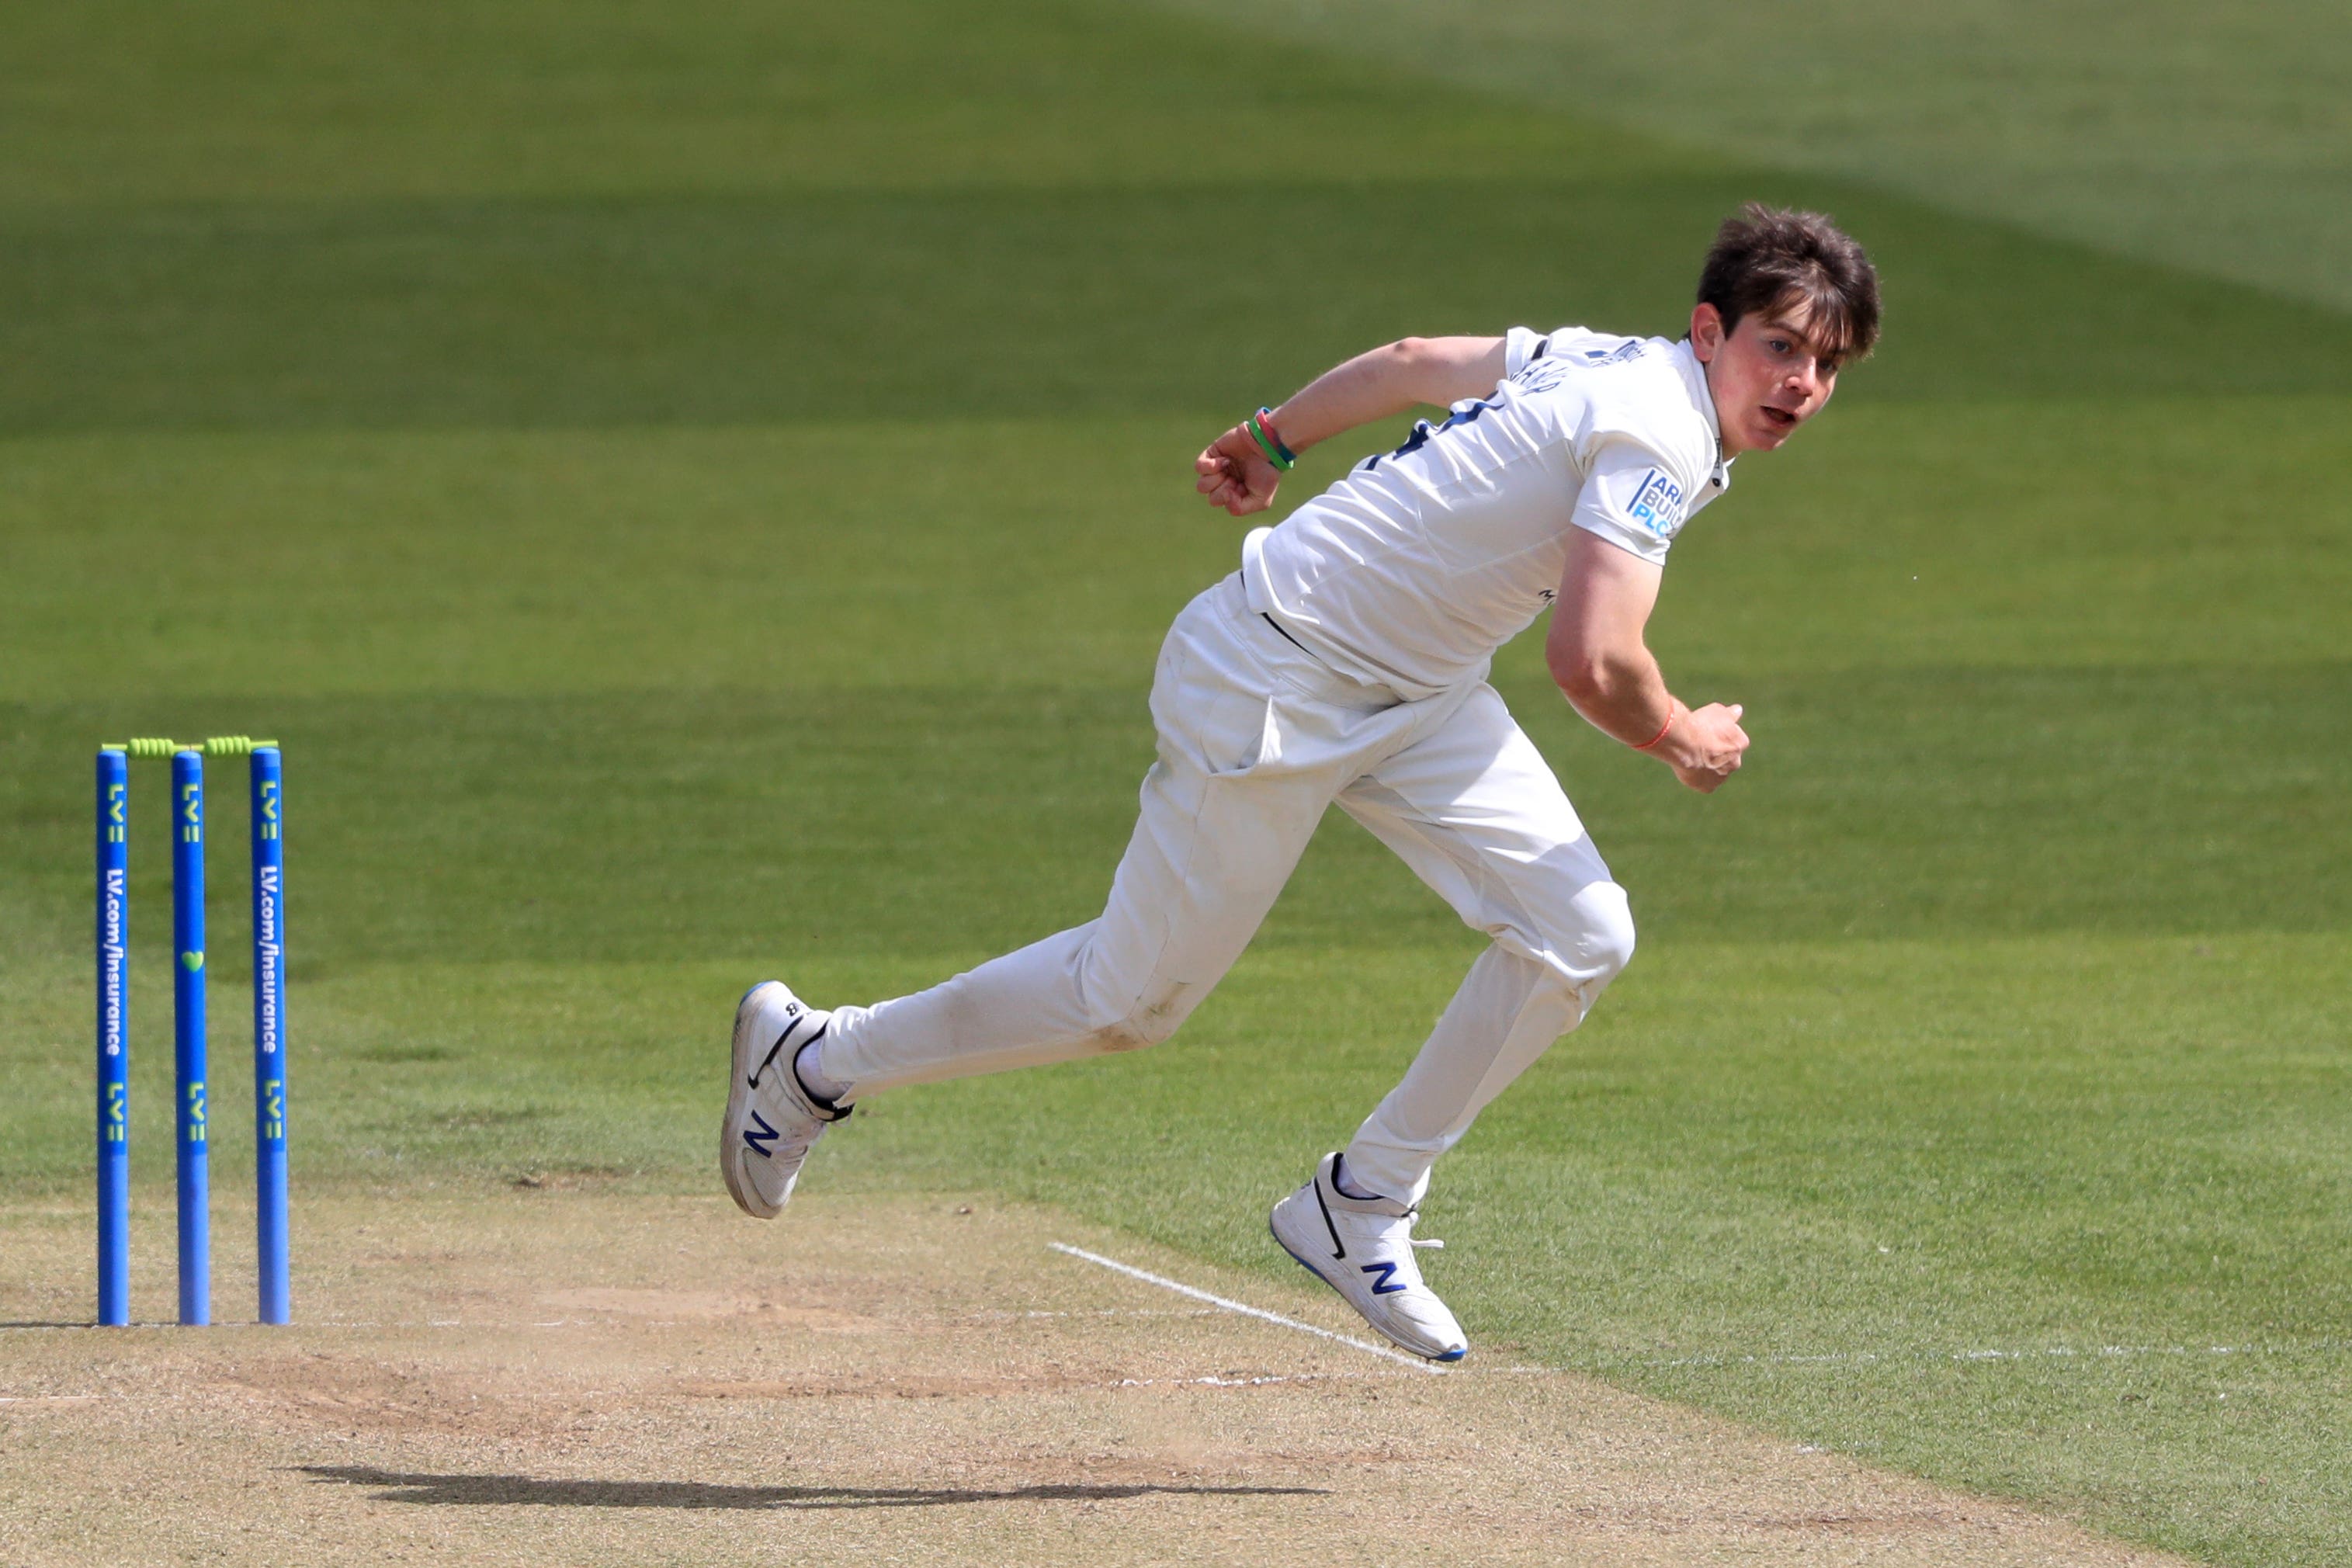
x,y
577,1376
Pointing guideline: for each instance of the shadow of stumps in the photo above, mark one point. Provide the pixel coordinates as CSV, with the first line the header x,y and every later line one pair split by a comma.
x,y
490,1490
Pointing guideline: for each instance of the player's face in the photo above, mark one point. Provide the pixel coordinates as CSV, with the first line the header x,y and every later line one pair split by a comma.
x,y
1767,374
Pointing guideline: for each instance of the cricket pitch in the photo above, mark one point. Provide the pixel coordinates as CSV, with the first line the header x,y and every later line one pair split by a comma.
x,y
571,1375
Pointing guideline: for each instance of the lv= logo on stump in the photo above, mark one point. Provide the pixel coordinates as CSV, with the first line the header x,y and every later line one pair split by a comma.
x,y
190,1034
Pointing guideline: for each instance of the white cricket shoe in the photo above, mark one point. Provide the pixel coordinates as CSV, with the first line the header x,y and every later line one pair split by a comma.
x,y
771,1121
1362,1248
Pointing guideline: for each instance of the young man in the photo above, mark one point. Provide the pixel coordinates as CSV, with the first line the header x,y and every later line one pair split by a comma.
x,y
1346,661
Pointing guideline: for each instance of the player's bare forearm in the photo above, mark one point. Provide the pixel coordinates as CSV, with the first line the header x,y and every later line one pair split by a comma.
x,y
1620,693
1387,381
1234,472
1598,657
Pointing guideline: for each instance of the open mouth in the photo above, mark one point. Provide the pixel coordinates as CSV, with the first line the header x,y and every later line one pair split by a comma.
x,y
1779,418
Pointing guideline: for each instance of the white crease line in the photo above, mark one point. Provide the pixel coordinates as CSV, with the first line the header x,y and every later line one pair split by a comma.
x,y
1104,1312
1246,1310
1239,1382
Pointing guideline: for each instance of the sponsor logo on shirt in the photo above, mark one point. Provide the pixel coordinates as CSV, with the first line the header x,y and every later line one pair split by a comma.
x,y
1657,505
1543,375
1618,355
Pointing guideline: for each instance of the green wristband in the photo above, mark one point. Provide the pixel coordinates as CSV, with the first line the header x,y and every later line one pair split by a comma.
x,y
1266,443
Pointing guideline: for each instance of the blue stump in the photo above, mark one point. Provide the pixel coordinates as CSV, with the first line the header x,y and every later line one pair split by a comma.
x,y
269,1032
113,940
189,1036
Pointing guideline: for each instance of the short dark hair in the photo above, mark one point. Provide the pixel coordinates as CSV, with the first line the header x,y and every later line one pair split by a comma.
x,y
1768,257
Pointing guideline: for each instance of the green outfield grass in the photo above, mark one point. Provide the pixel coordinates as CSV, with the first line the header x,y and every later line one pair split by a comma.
x,y
2212,138
698,498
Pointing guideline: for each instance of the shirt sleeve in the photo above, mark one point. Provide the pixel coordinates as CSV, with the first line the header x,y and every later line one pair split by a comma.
x,y
1521,344
1632,498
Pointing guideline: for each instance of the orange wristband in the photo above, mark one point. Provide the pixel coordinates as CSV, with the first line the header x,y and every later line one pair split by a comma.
x,y
1674,711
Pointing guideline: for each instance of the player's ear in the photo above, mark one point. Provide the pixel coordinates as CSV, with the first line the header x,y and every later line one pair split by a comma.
x,y
1706,331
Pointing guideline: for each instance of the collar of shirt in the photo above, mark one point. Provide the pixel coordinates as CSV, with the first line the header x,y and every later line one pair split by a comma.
x,y
1695,383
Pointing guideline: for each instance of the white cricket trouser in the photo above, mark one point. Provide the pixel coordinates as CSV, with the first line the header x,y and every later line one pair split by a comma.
x,y
1257,736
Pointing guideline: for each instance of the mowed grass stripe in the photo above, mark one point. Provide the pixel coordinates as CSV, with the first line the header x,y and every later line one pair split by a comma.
x,y
676,310
1051,552
2211,139
688,824
1910,1095
116,101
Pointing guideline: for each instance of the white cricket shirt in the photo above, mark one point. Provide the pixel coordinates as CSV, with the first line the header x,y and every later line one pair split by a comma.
x,y
1414,568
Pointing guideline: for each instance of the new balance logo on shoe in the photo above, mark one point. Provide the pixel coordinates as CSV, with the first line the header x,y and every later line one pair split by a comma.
x,y
1363,1248
759,1135
770,1112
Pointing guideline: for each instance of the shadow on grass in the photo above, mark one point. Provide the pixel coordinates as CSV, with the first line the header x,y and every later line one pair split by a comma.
x,y
478,1490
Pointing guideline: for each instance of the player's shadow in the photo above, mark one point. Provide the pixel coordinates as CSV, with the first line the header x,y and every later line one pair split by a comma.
x,y
461,1490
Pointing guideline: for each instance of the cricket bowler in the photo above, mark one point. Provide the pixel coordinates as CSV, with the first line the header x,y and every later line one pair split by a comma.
x,y
1346,661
